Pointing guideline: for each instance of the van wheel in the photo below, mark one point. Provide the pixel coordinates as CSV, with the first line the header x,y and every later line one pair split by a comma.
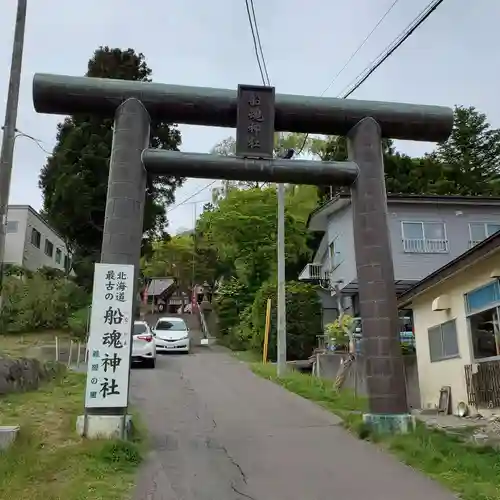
x,y
161,307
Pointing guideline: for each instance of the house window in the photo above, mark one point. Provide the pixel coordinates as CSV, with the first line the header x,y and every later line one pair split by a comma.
x,y
49,248
482,306
443,342
479,231
334,254
482,298
424,237
67,263
12,226
58,256
36,238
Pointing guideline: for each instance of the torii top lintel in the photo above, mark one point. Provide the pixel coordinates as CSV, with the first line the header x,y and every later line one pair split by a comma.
x,y
65,95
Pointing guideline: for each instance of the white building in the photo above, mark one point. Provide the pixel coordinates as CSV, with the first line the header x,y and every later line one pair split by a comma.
x,y
31,242
456,313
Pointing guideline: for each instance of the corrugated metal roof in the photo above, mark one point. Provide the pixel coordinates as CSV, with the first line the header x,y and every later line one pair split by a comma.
x,y
159,285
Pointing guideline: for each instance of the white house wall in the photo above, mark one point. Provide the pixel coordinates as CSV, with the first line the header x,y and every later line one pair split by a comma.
x,y
410,267
340,230
434,375
36,257
416,266
14,242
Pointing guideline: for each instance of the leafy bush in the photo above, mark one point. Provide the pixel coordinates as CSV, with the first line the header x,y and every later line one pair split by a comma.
x,y
340,331
303,319
77,323
239,337
15,270
35,302
51,273
232,298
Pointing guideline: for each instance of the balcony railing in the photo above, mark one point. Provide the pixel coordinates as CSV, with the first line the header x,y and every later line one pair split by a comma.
x,y
313,272
473,243
425,245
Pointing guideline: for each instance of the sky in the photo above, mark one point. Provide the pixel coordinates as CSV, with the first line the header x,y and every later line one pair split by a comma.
x,y
451,59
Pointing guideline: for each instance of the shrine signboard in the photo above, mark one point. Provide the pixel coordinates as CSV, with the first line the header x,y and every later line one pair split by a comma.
x,y
110,339
255,122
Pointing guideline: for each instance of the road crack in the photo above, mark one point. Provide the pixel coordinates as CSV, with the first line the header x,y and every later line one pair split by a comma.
x,y
236,490
235,463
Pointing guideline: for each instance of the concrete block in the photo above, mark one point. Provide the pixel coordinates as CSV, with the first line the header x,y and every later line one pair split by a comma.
x,y
104,426
8,434
208,341
390,424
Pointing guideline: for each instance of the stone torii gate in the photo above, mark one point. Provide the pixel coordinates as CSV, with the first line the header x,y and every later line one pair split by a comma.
x,y
365,123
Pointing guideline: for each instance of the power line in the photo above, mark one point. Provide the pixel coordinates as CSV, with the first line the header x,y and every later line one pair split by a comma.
x,y
256,43
183,202
263,73
38,142
280,238
363,43
389,50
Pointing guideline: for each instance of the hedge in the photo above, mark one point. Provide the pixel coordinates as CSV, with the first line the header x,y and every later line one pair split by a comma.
x,y
37,301
303,319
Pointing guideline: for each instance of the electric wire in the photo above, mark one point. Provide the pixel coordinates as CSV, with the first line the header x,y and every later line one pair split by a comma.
x,y
386,53
183,202
259,42
254,37
360,46
259,54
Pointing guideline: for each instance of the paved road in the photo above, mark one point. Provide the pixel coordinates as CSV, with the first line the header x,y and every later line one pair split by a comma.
x,y
220,433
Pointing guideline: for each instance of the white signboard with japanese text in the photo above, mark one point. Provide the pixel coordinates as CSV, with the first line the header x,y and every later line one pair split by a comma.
x,y
110,339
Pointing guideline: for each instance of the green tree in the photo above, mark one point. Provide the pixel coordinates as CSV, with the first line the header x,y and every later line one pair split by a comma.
x,y
227,147
304,320
465,164
173,258
470,157
74,179
242,229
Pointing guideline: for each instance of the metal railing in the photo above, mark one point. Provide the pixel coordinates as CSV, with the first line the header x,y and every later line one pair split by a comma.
x,y
411,245
473,243
313,272
203,322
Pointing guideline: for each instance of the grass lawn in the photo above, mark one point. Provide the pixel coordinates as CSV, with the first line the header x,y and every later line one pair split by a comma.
x,y
19,344
472,472
50,461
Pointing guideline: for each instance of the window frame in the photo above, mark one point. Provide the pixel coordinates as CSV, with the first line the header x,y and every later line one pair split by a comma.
x,y
39,238
16,222
469,314
334,255
48,242
440,326
58,255
485,227
423,223
424,238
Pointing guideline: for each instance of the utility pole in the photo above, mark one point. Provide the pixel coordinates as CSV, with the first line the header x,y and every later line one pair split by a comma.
x,y
281,302
9,128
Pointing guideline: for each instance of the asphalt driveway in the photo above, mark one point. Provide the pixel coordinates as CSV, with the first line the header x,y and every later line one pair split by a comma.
x,y
221,433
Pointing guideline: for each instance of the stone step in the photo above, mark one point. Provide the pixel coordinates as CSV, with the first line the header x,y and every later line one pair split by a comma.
x,y
8,434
